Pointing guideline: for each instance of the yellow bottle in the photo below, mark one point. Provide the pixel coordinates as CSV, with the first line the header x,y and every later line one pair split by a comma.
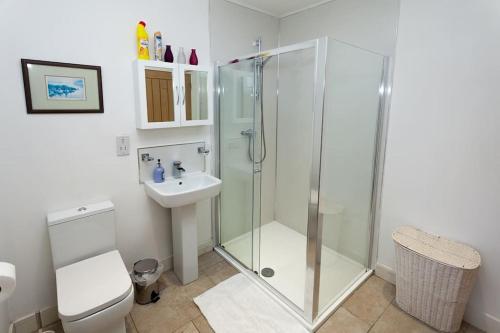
x,y
142,41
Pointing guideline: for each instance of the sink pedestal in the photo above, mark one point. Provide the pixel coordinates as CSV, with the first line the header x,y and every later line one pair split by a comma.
x,y
181,195
185,242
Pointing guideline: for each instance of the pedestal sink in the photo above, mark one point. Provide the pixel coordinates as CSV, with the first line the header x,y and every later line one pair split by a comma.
x,y
181,195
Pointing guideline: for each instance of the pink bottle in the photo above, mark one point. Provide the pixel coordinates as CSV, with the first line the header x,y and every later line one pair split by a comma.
x,y
193,59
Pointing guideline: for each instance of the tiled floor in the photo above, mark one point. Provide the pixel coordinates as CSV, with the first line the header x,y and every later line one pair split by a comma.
x,y
370,309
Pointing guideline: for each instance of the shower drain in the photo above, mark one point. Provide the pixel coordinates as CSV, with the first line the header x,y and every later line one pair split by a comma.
x,y
267,272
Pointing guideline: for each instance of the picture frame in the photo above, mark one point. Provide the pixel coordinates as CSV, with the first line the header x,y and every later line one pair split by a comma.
x,y
56,87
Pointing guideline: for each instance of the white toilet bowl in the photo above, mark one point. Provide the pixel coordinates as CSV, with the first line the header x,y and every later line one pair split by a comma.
x,y
95,295
94,290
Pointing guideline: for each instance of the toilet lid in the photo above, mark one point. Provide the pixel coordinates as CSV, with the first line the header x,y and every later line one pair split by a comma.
x,y
91,285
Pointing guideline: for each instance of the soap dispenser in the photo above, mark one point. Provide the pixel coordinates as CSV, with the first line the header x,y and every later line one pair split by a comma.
x,y
159,173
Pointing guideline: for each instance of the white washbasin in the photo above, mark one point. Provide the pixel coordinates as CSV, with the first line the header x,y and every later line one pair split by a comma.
x,y
189,189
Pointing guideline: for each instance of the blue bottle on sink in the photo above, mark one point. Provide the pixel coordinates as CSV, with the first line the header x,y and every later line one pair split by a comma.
x,y
159,173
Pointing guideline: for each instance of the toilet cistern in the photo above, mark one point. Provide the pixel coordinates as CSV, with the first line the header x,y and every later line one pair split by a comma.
x,y
178,170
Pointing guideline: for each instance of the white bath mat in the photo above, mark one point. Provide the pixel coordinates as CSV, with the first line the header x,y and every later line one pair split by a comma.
x,y
238,305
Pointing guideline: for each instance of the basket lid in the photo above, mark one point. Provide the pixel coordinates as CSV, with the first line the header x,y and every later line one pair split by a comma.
x,y
437,248
146,266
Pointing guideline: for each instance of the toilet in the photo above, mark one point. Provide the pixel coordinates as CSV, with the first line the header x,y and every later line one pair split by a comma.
x,y
94,289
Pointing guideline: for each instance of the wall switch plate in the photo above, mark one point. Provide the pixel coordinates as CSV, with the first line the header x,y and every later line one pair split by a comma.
x,y
122,145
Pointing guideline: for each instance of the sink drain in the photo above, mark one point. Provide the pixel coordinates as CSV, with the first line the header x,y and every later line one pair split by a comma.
x,y
267,272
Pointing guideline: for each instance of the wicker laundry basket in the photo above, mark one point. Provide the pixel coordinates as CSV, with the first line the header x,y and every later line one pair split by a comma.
x,y
434,277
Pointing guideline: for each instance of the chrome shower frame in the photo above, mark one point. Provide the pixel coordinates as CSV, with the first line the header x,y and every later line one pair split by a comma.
x,y
310,317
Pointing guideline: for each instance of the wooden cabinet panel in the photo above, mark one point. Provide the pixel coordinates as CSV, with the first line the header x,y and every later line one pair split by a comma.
x,y
160,96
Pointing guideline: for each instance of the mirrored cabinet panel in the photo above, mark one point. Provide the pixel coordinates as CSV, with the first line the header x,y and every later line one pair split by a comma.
x,y
196,99
196,84
172,95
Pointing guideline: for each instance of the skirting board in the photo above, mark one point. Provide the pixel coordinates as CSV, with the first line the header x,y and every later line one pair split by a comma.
x,y
492,324
33,322
387,273
27,324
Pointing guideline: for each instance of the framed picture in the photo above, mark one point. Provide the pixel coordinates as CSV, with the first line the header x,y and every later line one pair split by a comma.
x,y
55,87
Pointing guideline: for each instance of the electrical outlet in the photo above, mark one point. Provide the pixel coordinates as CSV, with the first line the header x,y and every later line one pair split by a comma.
x,y
122,145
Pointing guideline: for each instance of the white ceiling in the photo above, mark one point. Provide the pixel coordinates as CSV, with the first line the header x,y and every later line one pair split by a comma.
x,y
279,8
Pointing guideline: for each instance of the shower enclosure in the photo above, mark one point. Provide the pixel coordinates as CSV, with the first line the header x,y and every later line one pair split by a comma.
x,y
299,131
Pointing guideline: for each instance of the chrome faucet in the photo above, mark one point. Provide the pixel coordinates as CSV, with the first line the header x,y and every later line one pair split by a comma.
x,y
178,170
146,157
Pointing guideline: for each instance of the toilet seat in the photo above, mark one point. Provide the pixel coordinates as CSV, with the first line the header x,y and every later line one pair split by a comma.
x,y
92,285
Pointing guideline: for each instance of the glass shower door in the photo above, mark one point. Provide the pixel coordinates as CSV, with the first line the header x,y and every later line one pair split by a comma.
x,y
240,207
267,109
348,165
283,236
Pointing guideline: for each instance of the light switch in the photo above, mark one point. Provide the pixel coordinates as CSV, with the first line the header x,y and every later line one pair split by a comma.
x,y
122,145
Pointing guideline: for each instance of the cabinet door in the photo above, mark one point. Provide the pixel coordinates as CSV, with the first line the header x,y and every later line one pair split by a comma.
x,y
196,107
159,95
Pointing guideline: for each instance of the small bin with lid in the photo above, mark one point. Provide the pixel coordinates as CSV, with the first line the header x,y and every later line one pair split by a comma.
x,y
434,277
145,277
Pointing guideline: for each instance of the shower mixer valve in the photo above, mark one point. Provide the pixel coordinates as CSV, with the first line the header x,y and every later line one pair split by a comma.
x,y
203,151
248,132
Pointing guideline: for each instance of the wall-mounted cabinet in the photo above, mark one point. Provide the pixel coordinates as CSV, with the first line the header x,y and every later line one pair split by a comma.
x,y
172,95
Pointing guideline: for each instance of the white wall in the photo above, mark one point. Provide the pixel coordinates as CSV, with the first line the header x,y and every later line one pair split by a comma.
x,y
234,28
443,157
370,24
52,162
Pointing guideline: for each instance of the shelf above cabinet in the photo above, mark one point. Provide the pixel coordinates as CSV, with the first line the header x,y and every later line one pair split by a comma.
x,y
172,95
